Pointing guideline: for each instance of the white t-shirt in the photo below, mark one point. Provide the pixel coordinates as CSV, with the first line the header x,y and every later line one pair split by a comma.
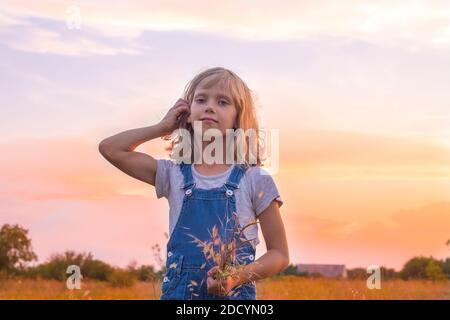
x,y
256,191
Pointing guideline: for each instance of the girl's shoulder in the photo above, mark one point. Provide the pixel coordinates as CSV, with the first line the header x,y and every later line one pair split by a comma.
x,y
168,177
165,165
170,164
258,178
261,187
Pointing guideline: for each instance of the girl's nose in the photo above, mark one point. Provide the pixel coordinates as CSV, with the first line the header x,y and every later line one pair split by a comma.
x,y
209,107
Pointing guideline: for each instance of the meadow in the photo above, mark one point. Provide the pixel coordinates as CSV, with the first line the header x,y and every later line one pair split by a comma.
x,y
285,287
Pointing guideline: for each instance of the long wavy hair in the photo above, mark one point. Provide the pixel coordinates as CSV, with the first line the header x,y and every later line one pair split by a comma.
x,y
243,101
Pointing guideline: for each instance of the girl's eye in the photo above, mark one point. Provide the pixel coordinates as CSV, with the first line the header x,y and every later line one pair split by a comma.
x,y
223,102
200,100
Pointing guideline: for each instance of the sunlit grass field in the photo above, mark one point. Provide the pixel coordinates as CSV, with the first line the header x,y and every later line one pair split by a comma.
x,y
287,287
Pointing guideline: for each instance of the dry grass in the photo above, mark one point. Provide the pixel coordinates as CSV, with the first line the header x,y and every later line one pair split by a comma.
x,y
90,290
291,287
288,287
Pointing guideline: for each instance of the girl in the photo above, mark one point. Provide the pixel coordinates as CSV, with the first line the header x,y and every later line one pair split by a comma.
x,y
203,197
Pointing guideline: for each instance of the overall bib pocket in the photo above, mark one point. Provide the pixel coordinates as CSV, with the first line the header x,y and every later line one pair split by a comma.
x,y
172,276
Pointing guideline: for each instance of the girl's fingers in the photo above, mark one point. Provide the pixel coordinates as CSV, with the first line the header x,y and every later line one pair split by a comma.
x,y
211,285
183,109
214,286
180,109
180,102
212,270
181,113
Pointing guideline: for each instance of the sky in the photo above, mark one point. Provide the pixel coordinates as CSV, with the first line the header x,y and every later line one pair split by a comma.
x,y
357,89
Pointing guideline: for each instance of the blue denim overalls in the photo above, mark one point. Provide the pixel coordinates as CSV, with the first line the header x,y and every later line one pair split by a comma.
x,y
186,264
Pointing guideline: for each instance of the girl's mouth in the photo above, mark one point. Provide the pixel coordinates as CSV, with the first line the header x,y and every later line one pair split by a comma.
x,y
208,120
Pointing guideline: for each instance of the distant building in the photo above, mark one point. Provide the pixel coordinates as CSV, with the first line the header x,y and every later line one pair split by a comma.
x,y
326,270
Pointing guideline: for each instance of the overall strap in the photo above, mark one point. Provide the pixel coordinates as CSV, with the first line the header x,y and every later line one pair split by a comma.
x,y
186,170
236,174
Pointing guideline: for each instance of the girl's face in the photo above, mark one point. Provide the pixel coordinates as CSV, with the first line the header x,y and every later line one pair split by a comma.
x,y
214,107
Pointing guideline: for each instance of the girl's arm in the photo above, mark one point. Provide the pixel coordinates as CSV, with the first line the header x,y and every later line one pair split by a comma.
x,y
275,260
119,149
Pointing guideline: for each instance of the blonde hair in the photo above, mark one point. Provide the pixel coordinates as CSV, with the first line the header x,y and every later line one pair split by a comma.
x,y
243,101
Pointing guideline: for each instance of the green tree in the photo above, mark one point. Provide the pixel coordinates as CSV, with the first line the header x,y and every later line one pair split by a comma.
x,y
15,249
423,268
96,269
143,272
446,267
415,268
433,271
56,266
388,273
